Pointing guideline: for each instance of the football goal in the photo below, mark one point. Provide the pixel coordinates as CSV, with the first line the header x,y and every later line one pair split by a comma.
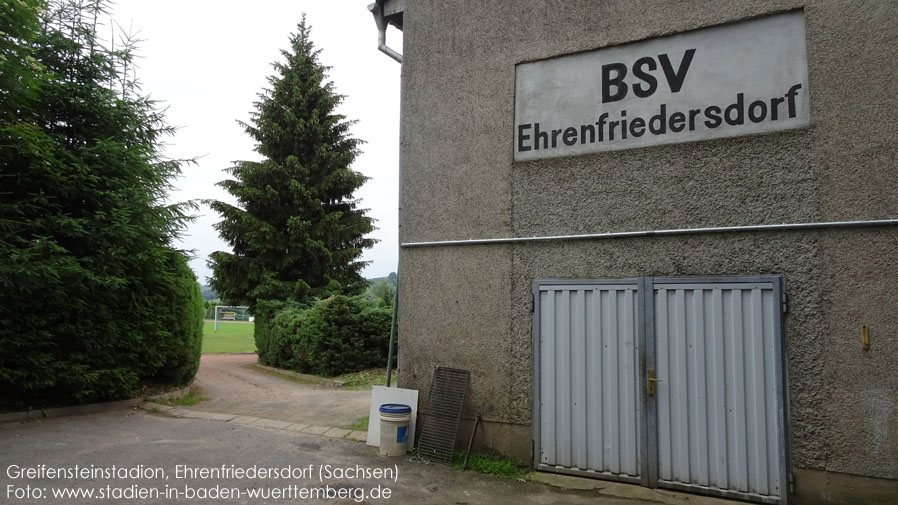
x,y
231,313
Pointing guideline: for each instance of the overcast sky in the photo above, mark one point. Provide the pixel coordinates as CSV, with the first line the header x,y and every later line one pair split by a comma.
x,y
207,60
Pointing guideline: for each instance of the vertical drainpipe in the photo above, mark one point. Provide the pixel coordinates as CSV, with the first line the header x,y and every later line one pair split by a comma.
x,y
393,329
377,9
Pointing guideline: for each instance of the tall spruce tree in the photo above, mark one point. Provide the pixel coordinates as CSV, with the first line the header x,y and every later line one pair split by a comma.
x,y
296,232
94,300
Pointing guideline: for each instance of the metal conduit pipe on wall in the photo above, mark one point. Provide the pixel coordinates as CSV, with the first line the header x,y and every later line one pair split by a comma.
x,y
652,233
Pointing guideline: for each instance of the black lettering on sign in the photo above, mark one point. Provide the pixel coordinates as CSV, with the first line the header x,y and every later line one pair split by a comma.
x,y
738,108
620,71
615,88
713,115
757,111
677,122
601,125
637,127
538,135
675,79
692,114
618,127
587,128
658,122
570,136
775,107
790,96
555,134
638,72
523,138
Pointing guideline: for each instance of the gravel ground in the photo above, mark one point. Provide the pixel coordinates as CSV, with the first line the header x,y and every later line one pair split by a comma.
x,y
232,388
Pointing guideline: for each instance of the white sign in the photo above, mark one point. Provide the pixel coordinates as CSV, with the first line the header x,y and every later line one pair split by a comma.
x,y
724,81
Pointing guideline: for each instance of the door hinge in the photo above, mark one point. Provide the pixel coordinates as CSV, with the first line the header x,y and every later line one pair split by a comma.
x,y
785,304
791,483
532,302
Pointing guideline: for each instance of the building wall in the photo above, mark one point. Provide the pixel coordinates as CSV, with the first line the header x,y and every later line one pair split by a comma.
x,y
469,306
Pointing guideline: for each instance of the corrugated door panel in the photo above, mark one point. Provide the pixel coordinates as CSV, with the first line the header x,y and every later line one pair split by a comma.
x,y
717,411
547,376
579,365
589,417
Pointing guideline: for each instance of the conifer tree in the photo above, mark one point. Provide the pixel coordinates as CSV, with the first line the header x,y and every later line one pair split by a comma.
x,y
296,231
94,300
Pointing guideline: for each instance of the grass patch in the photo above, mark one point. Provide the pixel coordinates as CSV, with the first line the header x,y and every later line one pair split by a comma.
x,y
492,463
360,425
185,401
230,337
366,378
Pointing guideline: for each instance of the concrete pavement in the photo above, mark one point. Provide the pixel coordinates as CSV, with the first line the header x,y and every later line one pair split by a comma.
x,y
215,452
128,453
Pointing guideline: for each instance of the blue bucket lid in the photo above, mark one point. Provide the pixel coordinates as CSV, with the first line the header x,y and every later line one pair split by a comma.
x,y
395,408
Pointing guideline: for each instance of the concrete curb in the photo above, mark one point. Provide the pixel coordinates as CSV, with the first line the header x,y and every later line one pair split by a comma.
x,y
305,377
76,410
324,431
91,408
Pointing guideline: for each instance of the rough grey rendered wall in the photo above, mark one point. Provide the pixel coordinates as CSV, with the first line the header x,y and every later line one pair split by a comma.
x,y
469,306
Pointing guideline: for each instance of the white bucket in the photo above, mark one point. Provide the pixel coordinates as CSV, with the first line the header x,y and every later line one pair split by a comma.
x,y
394,419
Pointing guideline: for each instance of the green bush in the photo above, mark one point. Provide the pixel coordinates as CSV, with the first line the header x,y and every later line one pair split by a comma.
x,y
269,352
337,335
180,339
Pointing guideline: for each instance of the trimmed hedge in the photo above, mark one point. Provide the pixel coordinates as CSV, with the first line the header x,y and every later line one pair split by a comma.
x,y
270,353
337,335
181,337
75,342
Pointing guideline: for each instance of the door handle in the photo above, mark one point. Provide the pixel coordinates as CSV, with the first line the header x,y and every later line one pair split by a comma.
x,y
650,382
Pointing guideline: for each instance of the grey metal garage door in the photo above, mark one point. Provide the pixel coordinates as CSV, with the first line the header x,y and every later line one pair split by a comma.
x,y
589,406
669,382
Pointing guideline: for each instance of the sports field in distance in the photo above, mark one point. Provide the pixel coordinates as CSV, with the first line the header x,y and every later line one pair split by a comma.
x,y
231,337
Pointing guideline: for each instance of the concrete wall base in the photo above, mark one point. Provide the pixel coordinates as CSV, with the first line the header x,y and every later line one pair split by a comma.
x,y
816,487
508,439
812,487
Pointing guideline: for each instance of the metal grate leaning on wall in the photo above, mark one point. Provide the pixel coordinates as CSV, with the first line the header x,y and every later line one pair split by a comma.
x,y
440,420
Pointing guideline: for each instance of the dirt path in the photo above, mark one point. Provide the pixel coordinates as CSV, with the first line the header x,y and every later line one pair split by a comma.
x,y
232,388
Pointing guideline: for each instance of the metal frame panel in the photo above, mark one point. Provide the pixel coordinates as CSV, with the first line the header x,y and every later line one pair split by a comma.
x,y
650,408
589,473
